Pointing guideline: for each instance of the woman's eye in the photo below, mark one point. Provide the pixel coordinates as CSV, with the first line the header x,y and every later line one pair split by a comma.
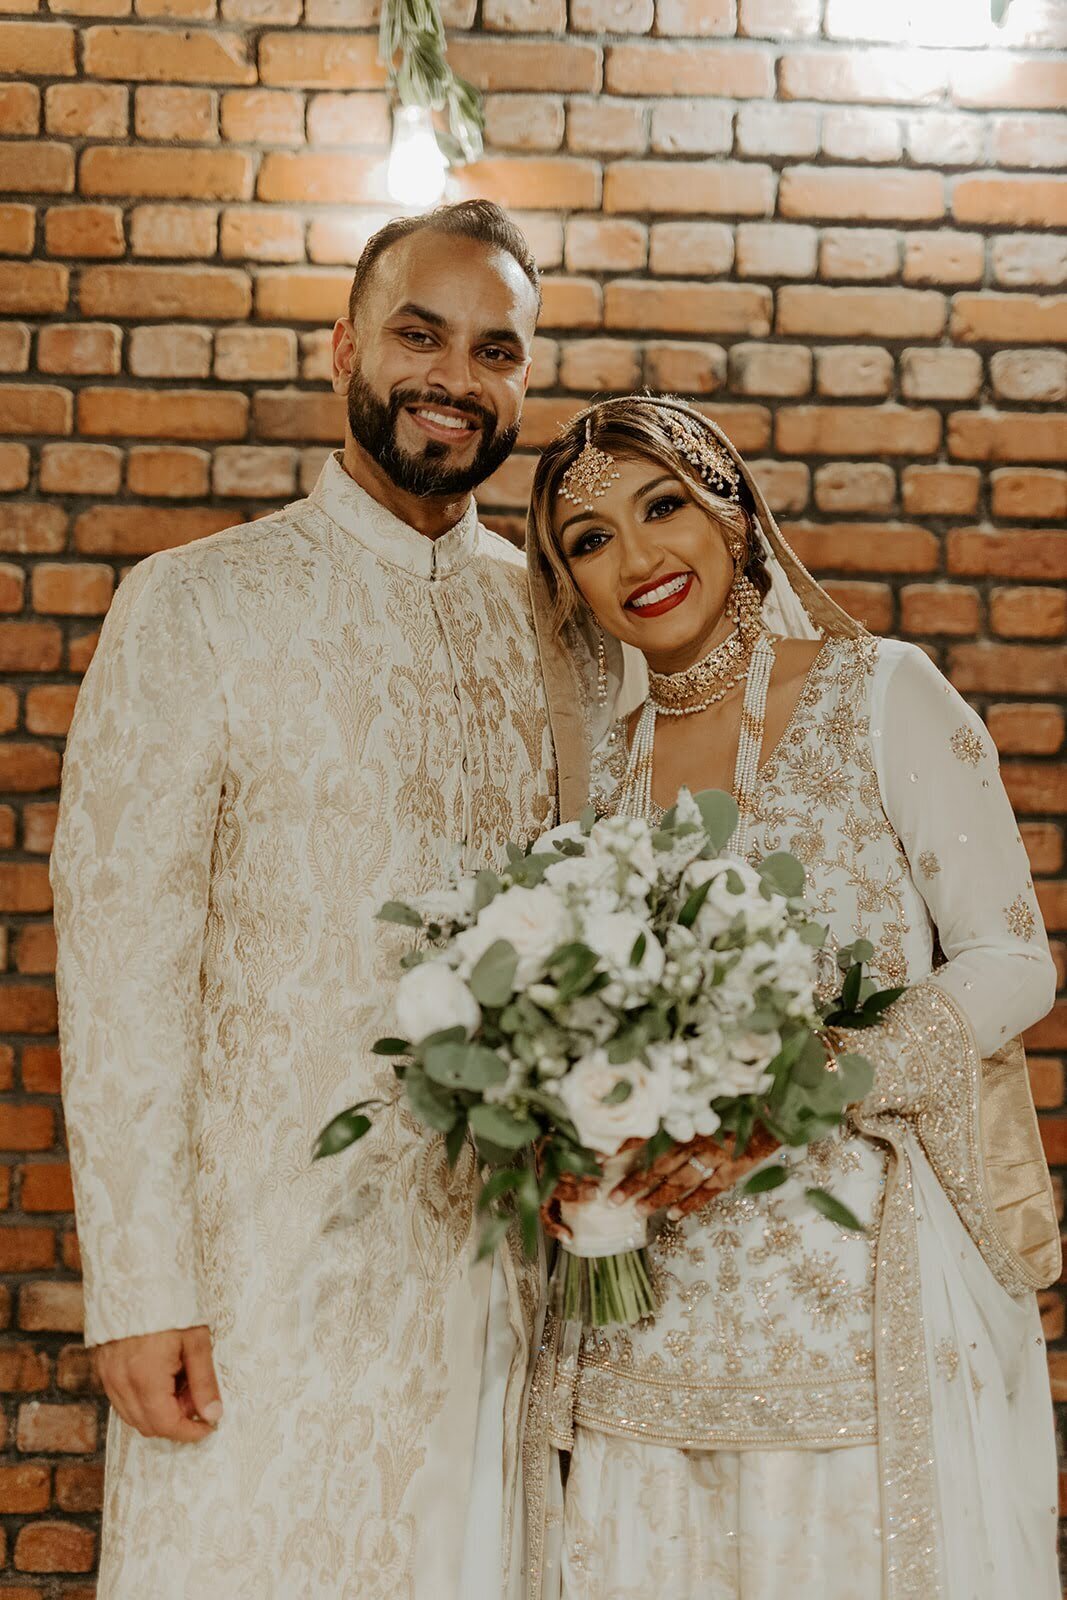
x,y
664,505
588,543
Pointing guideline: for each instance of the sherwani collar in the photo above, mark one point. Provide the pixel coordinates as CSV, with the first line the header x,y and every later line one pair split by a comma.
x,y
338,496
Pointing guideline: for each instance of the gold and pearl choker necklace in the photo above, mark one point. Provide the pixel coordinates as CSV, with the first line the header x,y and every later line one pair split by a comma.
x,y
704,683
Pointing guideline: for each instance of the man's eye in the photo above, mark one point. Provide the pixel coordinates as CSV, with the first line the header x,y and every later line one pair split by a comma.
x,y
417,335
497,355
664,505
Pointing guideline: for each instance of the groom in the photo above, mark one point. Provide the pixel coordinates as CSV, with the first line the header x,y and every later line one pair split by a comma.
x,y
315,1389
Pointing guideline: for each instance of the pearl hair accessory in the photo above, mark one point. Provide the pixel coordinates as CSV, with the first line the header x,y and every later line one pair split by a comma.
x,y
703,451
590,475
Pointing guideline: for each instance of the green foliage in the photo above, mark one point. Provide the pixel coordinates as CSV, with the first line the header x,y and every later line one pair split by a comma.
x,y
343,1130
766,1178
783,874
835,1210
719,814
493,980
412,45
396,911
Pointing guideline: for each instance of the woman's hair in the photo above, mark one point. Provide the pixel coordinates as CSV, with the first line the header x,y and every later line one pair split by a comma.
x,y
629,429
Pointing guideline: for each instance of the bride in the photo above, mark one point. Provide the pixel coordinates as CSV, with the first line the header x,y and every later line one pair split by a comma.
x,y
812,1412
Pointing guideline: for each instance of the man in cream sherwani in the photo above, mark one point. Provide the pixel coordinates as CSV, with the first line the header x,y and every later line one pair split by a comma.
x,y
316,1391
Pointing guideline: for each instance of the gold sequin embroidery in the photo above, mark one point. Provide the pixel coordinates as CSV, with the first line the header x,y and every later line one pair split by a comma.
x,y
1020,919
929,864
967,746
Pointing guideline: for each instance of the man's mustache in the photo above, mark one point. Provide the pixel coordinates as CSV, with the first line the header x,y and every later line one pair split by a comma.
x,y
434,397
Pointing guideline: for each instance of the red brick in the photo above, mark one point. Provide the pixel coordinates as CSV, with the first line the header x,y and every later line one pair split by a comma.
x,y
987,668
846,369
908,77
166,414
770,369
852,135
26,1127
1052,898
859,253
738,73
84,231
27,1249
170,351
72,1259
17,228
685,368
692,127
182,115
607,127
20,108
79,1488
994,78
255,234
27,1008
1007,436
776,250
320,61
1044,846
590,365
25,1488
310,177
1028,613
878,194
597,244
273,116
312,295
1010,200
749,426
172,472
178,232
688,307
51,1307
695,18
14,347
87,110
163,173
777,130
46,1187
1021,141
498,64
939,608
857,430
1009,318
944,257
35,949
1032,376
855,486
76,1372
940,491
1026,729
711,188
22,1368
611,16
864,546
940,374
33,287
82,348
839,313
870,603
9,719
161,55
1046,1082
1009,553
46,168
254,472
1033,492
14,467
12,587
1051,1032
29,647
785,484
80,469
139,292
140,530
262,354
779,19
24,887
72,589
35,408
1021,259
512,122
40,1062
54,1547
38,49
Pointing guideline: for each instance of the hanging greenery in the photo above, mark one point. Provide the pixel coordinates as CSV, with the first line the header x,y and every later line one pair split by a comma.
x,y
411,43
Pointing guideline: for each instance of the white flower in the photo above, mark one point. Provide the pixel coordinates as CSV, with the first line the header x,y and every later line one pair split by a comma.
x,y
533,922
614,938
748,1055
725,901
431,998
793,966
604,1127
627,840
447,905
585,881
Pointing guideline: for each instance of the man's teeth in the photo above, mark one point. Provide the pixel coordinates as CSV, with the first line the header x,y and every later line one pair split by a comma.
x,y
442,421
662,593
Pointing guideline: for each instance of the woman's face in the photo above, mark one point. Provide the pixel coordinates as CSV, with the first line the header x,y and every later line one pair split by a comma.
x,y
650,563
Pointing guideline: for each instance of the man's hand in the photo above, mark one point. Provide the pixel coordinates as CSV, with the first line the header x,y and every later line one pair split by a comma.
x,y
163,1384
684,1179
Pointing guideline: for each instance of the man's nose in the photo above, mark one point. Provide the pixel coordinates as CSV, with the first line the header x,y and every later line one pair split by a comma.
x,y
453,371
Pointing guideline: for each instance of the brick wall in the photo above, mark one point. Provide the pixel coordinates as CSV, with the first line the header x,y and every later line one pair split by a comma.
x,y
846,245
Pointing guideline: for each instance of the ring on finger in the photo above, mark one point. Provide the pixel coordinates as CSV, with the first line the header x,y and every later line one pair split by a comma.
x,y
705,1172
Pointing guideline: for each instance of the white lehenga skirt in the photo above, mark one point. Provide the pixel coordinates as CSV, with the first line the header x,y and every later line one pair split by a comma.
x,y
641,1520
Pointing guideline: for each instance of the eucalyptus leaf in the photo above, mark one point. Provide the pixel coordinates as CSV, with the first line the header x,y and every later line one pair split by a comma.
x,y
486,888
502,1127
814,934
390,1047
500,1183
767,1178
719,814
587,818
493,980
433,1108
833,1208
456,1138
493,1231
396,911
691,909
619,1094
783,874
855,1075
343,1130
465,1066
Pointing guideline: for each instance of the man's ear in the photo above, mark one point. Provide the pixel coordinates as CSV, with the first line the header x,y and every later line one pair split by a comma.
x,y
526,375
344,354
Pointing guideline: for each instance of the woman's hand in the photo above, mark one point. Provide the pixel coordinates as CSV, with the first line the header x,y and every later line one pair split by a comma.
x,y
682,1180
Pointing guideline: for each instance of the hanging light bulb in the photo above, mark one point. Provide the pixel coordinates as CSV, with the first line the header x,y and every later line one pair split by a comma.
x,y
417,167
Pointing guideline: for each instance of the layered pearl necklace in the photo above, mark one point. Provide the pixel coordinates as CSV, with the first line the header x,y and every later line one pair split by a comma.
x,y
671,695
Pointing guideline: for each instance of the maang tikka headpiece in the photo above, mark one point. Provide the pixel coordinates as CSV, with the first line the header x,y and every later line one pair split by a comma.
x,y
590,475
703,451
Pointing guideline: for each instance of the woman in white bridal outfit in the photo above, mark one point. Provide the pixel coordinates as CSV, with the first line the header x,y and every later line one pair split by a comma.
x,y
811,1412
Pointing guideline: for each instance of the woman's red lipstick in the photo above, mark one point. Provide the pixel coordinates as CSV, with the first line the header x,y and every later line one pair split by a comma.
x,y
664,605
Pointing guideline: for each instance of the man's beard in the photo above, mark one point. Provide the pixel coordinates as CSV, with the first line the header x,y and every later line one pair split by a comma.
x,y
374,422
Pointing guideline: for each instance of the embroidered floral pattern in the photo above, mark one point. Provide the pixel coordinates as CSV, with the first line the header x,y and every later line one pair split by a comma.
x,y
1020,919
929,864
967,746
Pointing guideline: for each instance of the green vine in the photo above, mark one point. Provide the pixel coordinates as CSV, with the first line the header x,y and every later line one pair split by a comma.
x,y
411,43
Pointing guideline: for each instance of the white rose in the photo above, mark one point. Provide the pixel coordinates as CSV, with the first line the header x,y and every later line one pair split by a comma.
x,y
627,840
605,1127
614,937
447,905
747,1059
431,998
532,921
724,902
585,881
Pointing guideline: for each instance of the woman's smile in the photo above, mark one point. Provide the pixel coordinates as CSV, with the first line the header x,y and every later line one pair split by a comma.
x,y
661,595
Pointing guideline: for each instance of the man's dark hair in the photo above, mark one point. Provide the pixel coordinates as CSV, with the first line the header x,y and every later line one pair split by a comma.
x,y
470,219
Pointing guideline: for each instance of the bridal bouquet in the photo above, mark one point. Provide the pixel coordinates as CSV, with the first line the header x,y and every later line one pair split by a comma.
x,y
617,989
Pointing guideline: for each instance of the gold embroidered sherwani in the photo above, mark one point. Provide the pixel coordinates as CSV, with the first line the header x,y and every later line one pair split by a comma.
x,y
284,726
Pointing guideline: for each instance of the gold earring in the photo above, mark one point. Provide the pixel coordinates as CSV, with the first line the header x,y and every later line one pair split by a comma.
x,y
601,670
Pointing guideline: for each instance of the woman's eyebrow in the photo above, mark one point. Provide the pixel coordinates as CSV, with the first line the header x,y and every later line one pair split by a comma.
x,y
590,516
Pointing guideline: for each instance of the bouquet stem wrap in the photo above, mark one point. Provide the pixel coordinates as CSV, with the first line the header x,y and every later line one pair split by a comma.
x,y
602,1276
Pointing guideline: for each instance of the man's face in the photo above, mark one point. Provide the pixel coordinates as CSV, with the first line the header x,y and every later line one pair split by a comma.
x,y
436,364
